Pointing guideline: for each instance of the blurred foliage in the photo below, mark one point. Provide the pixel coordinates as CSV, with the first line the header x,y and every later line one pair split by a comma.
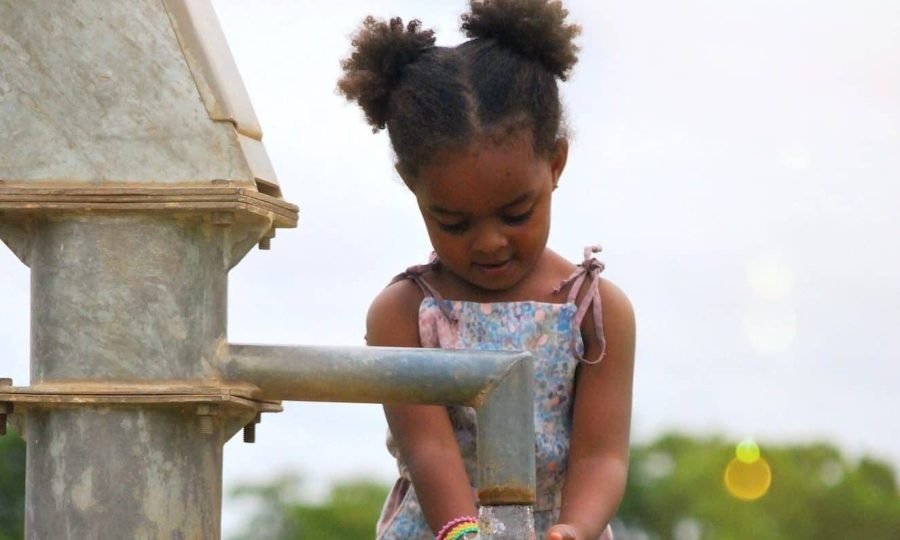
x,y
349,511
12,487
676,491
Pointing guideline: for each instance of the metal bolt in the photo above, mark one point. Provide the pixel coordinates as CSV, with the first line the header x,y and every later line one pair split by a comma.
x,y
265,242
5,409
250,433
250,429
206,413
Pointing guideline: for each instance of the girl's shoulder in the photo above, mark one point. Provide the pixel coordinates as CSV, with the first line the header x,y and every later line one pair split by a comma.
x,y
604,312
612,322
392,319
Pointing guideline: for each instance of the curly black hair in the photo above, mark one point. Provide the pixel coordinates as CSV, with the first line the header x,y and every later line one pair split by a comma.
x,y
499,82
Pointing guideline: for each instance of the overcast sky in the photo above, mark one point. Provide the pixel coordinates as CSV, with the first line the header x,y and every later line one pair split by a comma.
x,y
737,160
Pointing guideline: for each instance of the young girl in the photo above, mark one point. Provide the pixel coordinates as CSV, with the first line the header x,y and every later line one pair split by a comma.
x,y
478,138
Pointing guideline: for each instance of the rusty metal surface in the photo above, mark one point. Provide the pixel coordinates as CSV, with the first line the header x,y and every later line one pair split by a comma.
x,y
506,463
499,495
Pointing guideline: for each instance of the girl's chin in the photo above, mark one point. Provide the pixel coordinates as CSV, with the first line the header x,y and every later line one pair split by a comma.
x,y
495,277
491,278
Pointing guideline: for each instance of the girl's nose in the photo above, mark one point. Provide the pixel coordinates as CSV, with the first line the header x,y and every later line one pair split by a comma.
x,y
489,241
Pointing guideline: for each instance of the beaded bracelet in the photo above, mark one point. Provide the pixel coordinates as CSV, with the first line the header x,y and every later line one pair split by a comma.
x,y
458,528
461,531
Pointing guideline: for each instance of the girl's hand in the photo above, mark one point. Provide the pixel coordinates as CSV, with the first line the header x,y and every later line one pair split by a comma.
x,y
562,532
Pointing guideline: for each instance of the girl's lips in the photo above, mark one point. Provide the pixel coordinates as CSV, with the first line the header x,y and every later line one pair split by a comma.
x,y
494,268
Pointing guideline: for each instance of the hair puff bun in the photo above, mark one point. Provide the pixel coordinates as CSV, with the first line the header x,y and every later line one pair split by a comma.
x,y
382,50
535,28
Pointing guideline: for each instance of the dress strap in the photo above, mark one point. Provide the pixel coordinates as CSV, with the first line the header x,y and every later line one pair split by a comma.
x,y
589,270
414,274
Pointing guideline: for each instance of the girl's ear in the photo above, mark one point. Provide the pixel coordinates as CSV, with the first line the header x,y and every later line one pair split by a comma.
x,y
405,176
558,160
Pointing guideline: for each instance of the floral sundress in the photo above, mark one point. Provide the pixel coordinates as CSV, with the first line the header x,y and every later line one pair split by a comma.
x,y
551,332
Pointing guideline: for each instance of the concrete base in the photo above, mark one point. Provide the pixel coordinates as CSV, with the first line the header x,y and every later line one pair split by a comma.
x,y
101,473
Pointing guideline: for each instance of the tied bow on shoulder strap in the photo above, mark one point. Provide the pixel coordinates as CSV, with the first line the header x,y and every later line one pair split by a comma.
x,y
414,274
589,270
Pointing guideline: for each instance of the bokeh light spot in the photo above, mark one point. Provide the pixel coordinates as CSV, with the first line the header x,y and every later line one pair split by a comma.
x,y
831,473
687,529
770,277
796,157
770,327
747,451
657,466
748,481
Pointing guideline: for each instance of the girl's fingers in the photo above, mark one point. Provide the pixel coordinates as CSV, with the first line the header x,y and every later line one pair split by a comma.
x,y
561,532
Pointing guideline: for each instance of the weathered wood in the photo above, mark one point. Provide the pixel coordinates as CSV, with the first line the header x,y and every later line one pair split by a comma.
x,y
214,199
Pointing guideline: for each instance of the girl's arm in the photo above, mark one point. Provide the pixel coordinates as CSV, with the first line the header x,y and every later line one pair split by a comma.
x,y
422,432
598,455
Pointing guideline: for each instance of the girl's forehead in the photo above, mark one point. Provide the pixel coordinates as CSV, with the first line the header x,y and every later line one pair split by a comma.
x,y
481,177
518,144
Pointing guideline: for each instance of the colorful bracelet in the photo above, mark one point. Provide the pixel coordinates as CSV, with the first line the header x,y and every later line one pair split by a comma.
x,y
458,528
461,531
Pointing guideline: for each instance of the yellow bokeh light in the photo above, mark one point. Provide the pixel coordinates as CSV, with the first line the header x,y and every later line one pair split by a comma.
x,y
747,451
748,481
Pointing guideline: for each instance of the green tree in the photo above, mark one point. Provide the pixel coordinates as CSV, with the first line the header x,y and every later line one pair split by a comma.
x,y
348,513
675,491
12,487
676,483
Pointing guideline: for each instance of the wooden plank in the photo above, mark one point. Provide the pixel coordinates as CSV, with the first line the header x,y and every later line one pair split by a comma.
x,y
118,194
281,218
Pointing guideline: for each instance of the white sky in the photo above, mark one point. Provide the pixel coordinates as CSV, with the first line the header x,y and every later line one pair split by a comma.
x,y
737,160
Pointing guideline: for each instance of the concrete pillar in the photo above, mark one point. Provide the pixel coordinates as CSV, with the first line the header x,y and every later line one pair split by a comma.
x,y
125,300
132,178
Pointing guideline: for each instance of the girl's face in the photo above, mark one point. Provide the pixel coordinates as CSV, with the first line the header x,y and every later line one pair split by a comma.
x,y
487,209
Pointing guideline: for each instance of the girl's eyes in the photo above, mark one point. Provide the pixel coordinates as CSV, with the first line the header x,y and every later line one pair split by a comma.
x,y
454,228
462,226
518,219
